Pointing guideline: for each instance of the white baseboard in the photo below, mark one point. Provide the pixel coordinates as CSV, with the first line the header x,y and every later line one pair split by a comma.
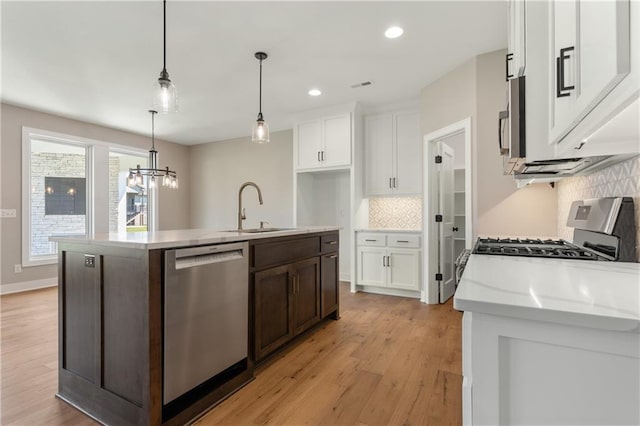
x,y
388,291
345,277
27,285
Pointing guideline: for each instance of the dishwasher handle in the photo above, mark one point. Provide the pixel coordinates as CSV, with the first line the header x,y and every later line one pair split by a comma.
x,y
205,255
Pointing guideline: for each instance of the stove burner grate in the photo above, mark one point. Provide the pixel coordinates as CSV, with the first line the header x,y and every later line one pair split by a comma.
x,y
532,248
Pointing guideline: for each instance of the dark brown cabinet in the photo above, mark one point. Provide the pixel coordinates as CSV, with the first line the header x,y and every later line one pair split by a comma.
x,y
288,297
273,295
329,275
329,284
306,294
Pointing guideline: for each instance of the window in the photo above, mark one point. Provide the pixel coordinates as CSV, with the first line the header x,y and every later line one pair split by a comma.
x,y
56,184
77,186
128,206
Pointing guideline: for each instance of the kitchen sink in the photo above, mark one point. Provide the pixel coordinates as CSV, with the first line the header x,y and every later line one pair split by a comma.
x,y
259,230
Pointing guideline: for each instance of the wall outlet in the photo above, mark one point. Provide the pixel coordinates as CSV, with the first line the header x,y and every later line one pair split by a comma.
x,y
7,212
89,261
17,268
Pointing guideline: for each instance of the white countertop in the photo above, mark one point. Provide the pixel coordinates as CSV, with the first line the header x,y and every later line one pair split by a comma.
x,y
390,230
604,295
182,237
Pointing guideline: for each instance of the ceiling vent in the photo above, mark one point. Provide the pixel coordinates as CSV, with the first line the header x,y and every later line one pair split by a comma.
x,y
363,84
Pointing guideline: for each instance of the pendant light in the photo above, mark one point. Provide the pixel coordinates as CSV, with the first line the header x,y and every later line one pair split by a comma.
x,y
165,99
169,177
260,132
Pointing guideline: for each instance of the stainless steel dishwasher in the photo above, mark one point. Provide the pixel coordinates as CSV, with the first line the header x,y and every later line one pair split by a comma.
x,y
206,318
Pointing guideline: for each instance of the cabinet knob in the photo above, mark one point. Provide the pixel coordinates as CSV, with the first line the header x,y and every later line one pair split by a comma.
x,y
455,229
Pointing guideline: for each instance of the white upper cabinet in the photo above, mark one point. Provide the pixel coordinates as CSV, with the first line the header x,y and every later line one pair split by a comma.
x,y
408,154
516,48
392,150
309,140
590,56
379,154
582,70
323,143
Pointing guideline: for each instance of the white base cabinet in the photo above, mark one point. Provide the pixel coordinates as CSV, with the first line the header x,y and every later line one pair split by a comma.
x,y
519,371
390,261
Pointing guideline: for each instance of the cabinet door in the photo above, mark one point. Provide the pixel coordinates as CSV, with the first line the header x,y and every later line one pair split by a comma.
x,y
595,39
408,176
516,54
309,144
306,292
273,315
379,154
371,268
329,283
404,269
337,141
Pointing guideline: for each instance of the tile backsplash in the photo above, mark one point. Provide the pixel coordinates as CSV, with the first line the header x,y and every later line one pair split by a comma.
x,y
622,179
395,213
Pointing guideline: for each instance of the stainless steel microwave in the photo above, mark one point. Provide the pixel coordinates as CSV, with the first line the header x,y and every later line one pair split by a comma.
x,y
512,139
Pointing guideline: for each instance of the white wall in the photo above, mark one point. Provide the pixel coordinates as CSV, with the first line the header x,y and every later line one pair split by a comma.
x,y
218,169
477,89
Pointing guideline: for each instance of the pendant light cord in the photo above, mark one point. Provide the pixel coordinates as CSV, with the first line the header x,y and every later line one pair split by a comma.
x,y
164,36
260,96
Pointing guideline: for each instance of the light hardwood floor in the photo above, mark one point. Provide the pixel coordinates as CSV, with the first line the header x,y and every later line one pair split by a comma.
x,y
388,360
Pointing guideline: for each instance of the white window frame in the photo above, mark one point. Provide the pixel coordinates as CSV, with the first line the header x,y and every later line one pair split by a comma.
x,y
91,145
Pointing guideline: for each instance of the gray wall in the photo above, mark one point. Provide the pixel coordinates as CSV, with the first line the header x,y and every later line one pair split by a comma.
x,y
174,205
218,169
477,89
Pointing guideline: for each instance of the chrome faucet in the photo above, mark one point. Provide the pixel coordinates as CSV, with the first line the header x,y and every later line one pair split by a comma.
x,y
241,213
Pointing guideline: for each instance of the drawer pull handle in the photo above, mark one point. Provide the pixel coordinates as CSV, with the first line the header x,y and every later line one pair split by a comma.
x,y
402,241
332,242
372,241
333,256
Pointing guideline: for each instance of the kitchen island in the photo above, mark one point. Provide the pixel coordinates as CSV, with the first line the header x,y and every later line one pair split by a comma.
x,y
120,313
550,341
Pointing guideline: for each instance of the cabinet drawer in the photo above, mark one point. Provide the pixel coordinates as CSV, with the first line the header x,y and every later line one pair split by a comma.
x,y
329,243
280,252
403,240
372,239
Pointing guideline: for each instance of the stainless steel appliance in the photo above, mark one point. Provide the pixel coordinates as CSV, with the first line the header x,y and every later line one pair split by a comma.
x,y
604,229
513,144
206,314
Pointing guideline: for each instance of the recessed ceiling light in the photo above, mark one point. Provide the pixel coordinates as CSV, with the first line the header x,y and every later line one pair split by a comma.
x,y
393,32
315,92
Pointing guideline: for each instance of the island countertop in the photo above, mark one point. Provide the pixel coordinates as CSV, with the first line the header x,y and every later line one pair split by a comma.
x,y
182,237
603,295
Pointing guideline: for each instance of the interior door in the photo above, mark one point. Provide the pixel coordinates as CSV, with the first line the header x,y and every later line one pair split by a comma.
x,y
445,227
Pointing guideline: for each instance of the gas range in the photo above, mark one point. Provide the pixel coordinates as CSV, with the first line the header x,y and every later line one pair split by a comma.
x,y
558,249
604,229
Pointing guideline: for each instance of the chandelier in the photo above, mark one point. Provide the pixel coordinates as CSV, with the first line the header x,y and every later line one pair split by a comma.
x,y
169,177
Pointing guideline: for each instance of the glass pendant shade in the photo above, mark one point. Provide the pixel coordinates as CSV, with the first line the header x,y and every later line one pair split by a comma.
x,y
165,98
260,132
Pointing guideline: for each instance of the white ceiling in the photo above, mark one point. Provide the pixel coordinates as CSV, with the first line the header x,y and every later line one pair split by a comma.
x,y
97,61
